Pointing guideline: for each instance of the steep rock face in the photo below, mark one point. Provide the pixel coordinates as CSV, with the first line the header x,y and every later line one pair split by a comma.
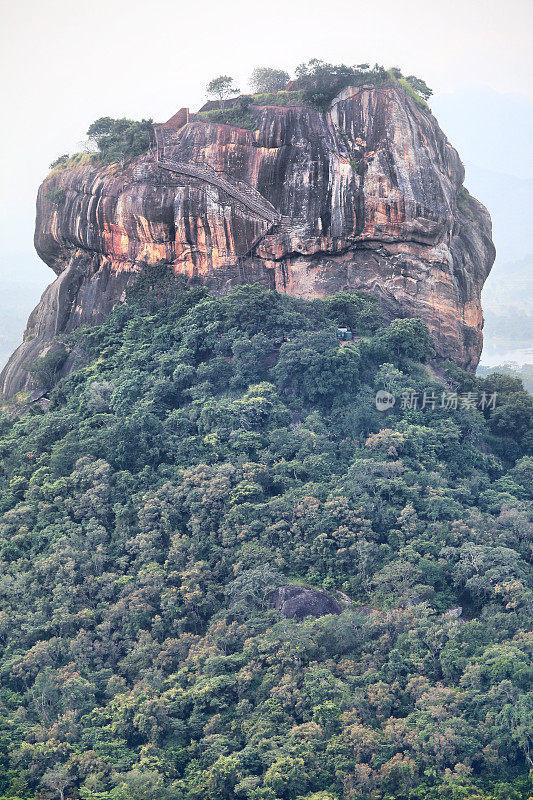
x,y
369,197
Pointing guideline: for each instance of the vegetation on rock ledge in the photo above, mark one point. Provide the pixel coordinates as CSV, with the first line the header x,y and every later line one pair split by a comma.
x,y
238,115
318,82
120,139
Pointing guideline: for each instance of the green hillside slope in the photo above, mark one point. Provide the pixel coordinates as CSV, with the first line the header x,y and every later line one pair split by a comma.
x,y
209,451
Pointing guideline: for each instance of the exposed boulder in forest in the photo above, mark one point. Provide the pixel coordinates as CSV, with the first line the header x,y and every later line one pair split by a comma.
x,y
304,601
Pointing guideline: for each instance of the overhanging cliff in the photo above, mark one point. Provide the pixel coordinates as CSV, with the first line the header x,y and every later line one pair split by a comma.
x,y
367,196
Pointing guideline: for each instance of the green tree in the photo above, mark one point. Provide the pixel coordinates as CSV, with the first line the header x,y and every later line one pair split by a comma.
x,y
45,368
266,79
120,139
221,87
419,86
60,161
251,590
57,778
286,776
407,338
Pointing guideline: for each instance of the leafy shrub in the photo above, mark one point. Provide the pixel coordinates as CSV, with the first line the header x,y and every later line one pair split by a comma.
x,y
45,368
238,116
57,196
407,338
290,98
266,79
412,93
464,202
322,81
74,160
361,315
157,286
120,139
61,161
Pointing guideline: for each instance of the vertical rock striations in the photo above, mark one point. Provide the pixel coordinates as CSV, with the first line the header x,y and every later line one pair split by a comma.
x,y
367,196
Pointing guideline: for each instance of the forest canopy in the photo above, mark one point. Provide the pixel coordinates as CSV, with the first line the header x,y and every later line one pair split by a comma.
x,y
209,450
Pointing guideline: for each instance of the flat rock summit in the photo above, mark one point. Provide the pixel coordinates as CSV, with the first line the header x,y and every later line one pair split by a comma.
x,y
367,196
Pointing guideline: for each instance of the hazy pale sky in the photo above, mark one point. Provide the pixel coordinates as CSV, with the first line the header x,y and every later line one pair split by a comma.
x,y
67,62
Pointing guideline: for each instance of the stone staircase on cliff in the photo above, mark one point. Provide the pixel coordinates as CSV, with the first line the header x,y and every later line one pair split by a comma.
x,y
245,195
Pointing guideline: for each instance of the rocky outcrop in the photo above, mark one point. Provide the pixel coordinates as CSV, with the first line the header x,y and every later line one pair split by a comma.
x,y
298,602
367,196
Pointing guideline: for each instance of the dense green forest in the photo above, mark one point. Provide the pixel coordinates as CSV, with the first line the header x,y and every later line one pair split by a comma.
x,y
207,451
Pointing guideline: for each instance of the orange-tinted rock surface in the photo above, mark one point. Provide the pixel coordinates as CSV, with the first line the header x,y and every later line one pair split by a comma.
x,y
369,195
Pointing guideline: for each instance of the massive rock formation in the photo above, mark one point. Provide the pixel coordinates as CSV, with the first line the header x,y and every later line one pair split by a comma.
x,y
367,196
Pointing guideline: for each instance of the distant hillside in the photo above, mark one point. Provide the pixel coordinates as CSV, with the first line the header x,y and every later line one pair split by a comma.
x,y
493,132
507,301
522,371
510,288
